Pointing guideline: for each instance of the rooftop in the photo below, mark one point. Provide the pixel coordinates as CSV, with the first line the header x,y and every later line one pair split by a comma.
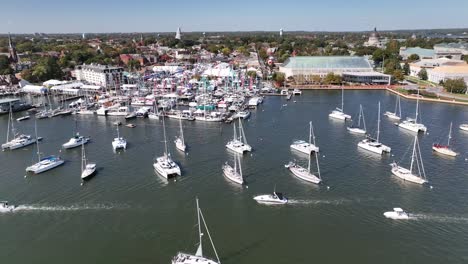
x,y
8,100
459,69
422,53
328,62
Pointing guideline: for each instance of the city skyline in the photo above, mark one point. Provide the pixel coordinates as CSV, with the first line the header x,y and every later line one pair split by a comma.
x,y
54,16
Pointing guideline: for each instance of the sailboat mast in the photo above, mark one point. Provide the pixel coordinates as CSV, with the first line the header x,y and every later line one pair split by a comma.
x,y
181,132
8,128
450,135
240,166
209,235
412,156
165,141
310,132
318,167
378,124
399,106
200,247
37,142
417,108
342,99
83,158
359,119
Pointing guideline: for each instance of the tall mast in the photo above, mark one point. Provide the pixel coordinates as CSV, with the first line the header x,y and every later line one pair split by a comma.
x,y
378,124
450,135
399,106
310,132
240,166
342,99
318,167
10,117
165,141
181,131
417,108
37,142
235,132
200,234
359,119
412,156
83,157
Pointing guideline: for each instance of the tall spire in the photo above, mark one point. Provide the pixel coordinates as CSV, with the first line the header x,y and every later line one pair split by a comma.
x,y
178,34
12,50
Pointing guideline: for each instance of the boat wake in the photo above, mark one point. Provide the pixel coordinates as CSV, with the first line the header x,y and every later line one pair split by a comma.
x,y
26,208
439,218
314,202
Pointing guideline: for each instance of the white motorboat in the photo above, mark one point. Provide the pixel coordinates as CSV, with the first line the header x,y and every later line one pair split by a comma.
x,y
445,149
412,124
306,147
358,129
87,169
119,142
198,258
164,165
297,92
18,140
338,113
397,114
242,114
239,144
374,145
75,141
180,141
213,117
397,214
22,118
5,207
121,111
419,174
464,127
274,198
44,164
232,173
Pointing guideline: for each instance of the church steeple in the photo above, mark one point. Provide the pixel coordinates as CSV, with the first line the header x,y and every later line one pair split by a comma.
x,y
12,50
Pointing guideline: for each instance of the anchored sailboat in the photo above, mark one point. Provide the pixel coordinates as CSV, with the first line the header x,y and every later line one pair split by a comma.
x,y
180,141
445,149
306,147
18,140
239,144
358,129
416,172
198,258
87,169
412,124
338,113
119,142
164,165
397,114
372,144
76,140
234,173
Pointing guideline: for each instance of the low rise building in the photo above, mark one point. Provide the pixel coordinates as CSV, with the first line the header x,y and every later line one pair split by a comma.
x,y
430,64
451,50
367,77
422,53
444,73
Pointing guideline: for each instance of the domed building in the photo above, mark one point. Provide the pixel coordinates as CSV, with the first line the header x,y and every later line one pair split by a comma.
x,y
375,40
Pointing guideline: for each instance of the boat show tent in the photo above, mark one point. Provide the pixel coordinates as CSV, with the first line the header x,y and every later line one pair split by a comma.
x,y
34,89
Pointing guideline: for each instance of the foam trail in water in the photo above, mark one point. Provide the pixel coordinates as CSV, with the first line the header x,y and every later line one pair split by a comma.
x,y
65,208
439,218
311,202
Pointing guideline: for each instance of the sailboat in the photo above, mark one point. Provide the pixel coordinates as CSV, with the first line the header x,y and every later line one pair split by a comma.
x,y
303,173
374,145
338,113
239,144
445,149
164,165
419,174
231,172
44,164
180,141
357,129
306,147
412,124
397,114
198,258
464,127
87,169
76,141
119,142
18,140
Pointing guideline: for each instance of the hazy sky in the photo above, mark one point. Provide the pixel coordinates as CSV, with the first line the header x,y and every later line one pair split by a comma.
x,y
60,16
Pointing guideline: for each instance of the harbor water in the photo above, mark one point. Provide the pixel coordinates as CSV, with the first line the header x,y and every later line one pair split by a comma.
x,y
128,214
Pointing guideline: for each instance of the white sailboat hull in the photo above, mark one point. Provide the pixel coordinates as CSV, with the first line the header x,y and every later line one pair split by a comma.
x,y
464,127
304,147
406,174
44,165
73,143
392,115
238,147
232,175
304,174
339,115
445,151
166,167
89,171
184,258
356,130
18,143
119,143
414,127
374,147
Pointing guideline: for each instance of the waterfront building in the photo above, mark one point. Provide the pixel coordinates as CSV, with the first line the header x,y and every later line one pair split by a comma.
x,y
422,53
367,78
451,50
444,73
376,41
106,76
430,64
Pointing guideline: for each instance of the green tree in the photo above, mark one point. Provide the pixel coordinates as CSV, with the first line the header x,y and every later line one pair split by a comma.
x,y
406,68
262,54
226,51
279,78
398,75
5,68
332,78
252,74
413,57
455,86
133,65
422,74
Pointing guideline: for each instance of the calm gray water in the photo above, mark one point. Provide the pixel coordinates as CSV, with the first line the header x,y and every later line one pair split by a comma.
x,y
128,214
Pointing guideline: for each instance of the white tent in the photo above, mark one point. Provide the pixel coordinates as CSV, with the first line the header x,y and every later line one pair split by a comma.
x,y
34,89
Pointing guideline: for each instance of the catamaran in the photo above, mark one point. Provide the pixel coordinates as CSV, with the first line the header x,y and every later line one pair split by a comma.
x,y
198,258
18,140
445,149
232,173
338,113
306,147
408,174
164,165
119,142
397,114
44,164
87,169
239,144
358,129
412,124
372,144
180,141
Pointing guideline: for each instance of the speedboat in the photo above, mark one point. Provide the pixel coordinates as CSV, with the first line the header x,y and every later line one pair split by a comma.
x,y
166,167
5,207
275,198
89,171
304,147
464,127
76,141
242,114
397,214
297,92
45,164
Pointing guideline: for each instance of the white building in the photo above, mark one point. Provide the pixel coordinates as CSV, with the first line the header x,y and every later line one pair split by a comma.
x,y
109,77
430,64
451,50
444,73
376,41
